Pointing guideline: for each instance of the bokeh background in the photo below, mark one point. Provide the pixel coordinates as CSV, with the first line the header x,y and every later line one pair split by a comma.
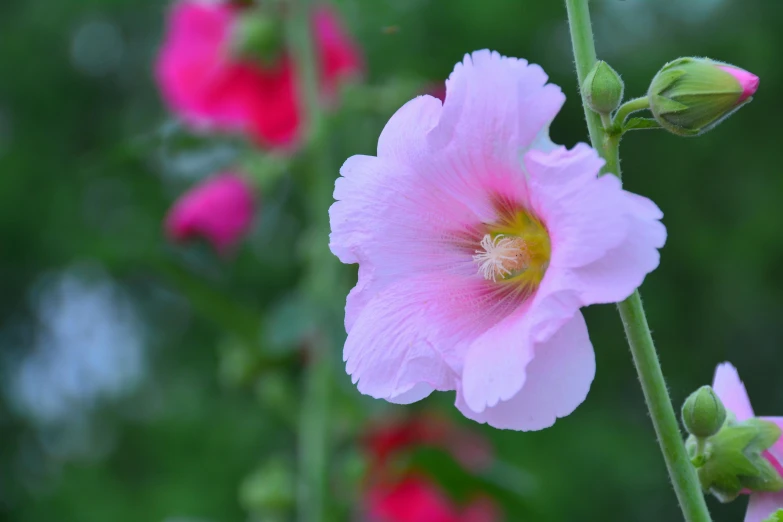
x,y
147,382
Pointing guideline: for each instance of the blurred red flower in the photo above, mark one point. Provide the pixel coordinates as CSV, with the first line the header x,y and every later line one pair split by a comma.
x,y
208,88
416,499
411,496
384,439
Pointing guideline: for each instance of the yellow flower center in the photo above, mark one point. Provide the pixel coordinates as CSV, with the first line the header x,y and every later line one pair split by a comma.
x,y
514,250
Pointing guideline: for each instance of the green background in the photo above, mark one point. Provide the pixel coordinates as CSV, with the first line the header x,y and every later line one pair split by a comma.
x,y
134,374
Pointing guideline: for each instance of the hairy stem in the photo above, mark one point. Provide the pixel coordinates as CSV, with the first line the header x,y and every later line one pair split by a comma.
x,y
645,357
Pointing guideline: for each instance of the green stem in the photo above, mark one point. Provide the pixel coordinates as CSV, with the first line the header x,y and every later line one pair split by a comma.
x,y
313,428
645,357
313,436
629,107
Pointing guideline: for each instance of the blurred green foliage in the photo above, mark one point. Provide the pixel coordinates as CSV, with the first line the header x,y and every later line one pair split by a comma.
x,y
89,162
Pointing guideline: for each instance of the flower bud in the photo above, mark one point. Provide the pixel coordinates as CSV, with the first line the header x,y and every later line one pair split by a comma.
x,y
603,88
690,96
703,413
257,36
733,461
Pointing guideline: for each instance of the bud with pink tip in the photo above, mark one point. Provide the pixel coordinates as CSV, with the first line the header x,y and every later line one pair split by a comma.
x,y
690,96
220,210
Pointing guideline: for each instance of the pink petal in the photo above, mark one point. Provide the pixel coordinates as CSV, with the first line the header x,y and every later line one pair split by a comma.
x,y
385,214
762,505
495,363
731,390
401,339
748,81
616,275
587,216
420,390
604,240
495,106
387,218
404,136
558,379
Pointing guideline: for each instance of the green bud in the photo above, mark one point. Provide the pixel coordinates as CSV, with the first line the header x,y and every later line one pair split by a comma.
x,y
603,88
703,413
690,96
257,36
732,461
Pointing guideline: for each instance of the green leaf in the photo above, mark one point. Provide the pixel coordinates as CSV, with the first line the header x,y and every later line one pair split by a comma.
x,y
641,124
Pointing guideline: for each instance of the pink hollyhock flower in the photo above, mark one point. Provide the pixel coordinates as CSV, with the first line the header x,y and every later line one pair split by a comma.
x,y
416,499
210,89
221,210
478,240
732,393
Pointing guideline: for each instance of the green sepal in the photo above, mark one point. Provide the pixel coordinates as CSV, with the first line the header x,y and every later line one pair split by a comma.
x,y
733,459
667,105
777,516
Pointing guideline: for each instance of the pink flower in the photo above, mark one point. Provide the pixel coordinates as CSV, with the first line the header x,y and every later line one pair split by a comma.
x,y
209,89
220,209
478,240
732,393
416,499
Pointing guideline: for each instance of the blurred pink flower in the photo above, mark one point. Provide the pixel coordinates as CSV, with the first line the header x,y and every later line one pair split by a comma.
x,y
732,393
478,240
221,210
209,89
416,499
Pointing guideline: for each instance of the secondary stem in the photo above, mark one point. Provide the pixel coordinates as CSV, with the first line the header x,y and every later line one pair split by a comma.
x,y
629,107
645,358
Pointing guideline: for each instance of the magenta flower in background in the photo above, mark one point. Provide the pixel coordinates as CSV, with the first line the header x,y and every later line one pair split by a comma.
x,y
220,210
732,393
417,499
478,241
209,89
385,440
